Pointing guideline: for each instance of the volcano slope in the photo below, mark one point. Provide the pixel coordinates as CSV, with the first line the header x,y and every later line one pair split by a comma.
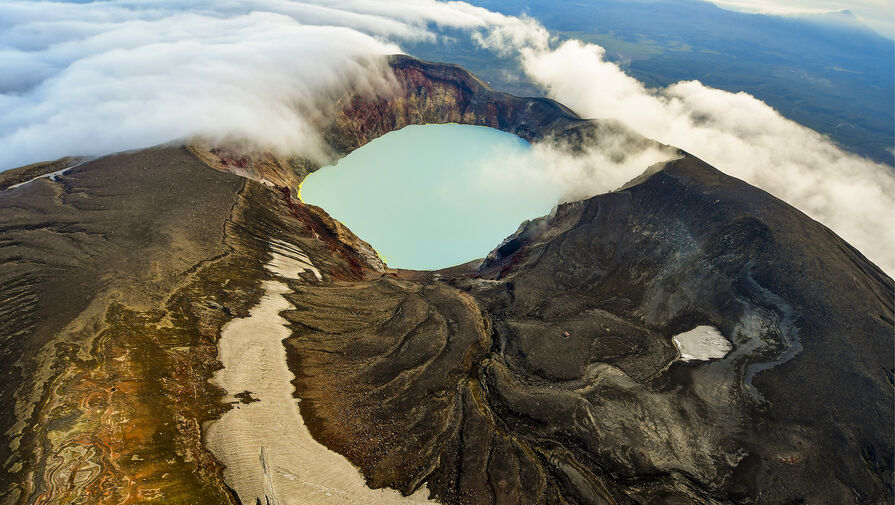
x,y
547,374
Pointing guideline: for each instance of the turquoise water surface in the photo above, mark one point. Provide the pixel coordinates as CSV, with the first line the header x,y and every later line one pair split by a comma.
x,y
432,196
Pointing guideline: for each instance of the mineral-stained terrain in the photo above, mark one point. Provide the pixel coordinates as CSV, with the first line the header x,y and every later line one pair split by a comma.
x,y
545,374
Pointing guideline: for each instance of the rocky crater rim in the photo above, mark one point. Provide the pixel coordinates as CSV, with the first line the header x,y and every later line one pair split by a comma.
x,y
427,93
423,93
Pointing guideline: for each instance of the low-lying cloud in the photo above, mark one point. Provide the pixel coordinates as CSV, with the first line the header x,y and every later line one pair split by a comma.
x,y
611,157
739,135
257,78
98,77
93,78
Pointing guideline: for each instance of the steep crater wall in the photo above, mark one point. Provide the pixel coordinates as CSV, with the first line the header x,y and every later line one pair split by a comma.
x,y
427,93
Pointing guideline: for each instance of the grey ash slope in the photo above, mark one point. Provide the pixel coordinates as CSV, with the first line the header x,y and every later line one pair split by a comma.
x,y
810,378
493,404
118,277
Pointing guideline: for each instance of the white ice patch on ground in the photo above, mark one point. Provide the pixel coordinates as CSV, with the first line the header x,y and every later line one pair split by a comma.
x,y
289,261
266,447
51,176
702,344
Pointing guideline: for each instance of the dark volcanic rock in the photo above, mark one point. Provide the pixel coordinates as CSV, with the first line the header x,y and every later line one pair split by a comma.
x,y
546,375
574,394
810,318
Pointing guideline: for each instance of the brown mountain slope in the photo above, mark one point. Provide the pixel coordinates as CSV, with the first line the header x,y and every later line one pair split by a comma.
x,y
547,375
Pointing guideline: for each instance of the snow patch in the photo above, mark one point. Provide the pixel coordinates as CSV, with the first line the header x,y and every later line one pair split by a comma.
x,y
702,344
267,449
289,261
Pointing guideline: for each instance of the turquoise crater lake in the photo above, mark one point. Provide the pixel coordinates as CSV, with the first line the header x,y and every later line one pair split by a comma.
x,y
432,196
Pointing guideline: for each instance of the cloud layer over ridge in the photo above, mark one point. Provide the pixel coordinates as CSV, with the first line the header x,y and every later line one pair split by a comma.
x,y
92,78
97,77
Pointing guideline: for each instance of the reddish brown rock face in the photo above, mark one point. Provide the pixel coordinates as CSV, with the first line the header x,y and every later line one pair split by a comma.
x,y
435,93
423,93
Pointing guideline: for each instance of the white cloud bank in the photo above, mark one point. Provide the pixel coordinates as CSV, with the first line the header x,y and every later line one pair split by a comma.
x,y
610,158
255,78
92,78
738,134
